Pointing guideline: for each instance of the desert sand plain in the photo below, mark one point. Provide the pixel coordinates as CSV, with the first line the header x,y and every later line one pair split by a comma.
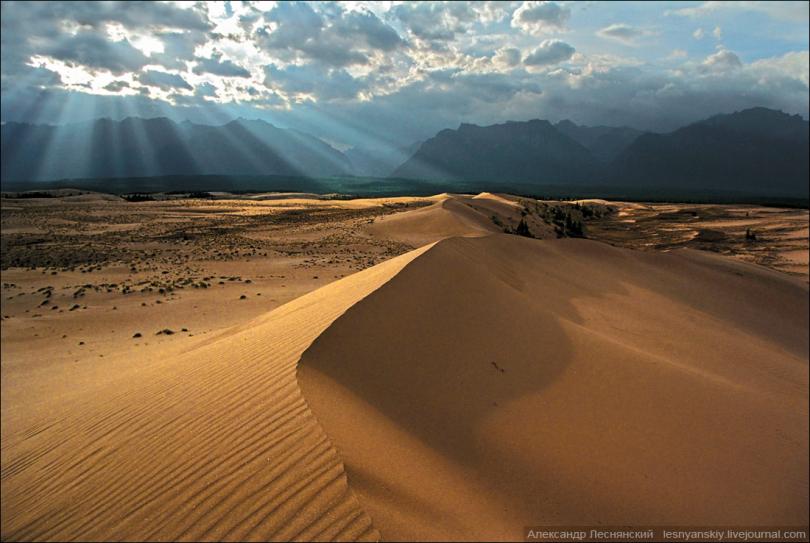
x,y
298,367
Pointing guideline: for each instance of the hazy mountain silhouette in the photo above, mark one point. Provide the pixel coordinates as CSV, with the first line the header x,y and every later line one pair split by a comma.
x,y
604,142
137,147
531,151
379,161
756,150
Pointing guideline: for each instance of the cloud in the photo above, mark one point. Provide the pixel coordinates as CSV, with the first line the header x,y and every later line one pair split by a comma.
x,y
134,14
97,35
94,51
540,17
323,82
623,32
593,94
490,88
790,66
549,52
35,78
677,54
397,71
216,66
508,56
435,21
205,89
178,48
297,32
700,33
117,86
367,27
787,11
493,11
721,61
163,80
131,14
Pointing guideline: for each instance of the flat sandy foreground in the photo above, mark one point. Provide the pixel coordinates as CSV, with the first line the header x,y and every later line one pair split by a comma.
x,y
304,369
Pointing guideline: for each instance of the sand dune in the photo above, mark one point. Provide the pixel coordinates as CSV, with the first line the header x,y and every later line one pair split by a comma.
x,y
216,444
444,218
453,215
463,390
500,382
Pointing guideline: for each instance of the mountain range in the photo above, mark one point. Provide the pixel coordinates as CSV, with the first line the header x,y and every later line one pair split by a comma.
x,y
513,151
137,147
754,151
757,150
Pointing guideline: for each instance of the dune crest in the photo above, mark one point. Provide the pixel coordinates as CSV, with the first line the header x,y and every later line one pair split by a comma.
x,y
442,219
452,215
218,444
499,382
495,197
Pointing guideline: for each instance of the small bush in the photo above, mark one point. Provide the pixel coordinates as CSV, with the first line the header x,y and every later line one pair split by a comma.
x,y
522,229
573,227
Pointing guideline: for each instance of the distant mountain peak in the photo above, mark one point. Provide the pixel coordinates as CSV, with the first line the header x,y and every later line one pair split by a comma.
x,y
755,114
522,151
604,142
756,151
759,110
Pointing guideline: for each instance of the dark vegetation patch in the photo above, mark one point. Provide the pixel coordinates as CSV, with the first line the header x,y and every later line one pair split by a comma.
x,y
138,197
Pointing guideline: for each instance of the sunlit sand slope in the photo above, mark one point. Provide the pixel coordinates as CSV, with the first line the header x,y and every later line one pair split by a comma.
x,y
498,382
450,215
218,444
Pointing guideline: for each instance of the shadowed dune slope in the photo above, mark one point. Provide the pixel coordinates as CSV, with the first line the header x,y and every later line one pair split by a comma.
x,y
218,444
498,382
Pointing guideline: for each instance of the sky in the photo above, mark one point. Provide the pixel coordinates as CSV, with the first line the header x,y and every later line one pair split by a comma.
x,y
391,73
